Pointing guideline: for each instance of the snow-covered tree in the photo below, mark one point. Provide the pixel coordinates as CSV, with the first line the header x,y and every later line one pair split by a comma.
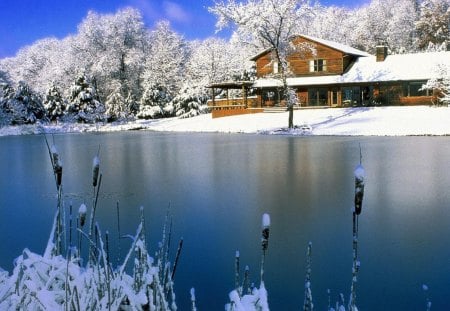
x,y
154,102
111,48
166,59
115,106
83,103
440,84
389,22
433,25
190,101
271,24
54,103
25,106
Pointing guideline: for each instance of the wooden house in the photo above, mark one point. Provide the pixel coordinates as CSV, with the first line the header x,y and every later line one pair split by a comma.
x,y
337,75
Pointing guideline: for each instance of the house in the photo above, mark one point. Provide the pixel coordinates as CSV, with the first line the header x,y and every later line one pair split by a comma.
x,y
337,75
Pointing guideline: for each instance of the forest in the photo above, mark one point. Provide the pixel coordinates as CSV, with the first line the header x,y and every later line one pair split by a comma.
x,y
116,68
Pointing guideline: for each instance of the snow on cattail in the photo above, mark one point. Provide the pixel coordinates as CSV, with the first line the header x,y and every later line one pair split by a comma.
x,y
265,231
359,188
95,170
82,214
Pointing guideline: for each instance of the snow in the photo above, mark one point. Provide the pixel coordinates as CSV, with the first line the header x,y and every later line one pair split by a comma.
x,y
337,46
266,220
374,121
359,172
400,67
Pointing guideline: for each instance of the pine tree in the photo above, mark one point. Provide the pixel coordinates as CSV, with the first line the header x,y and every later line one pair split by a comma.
x,y
25,106
54,103
115,106
153,102
83,103
190,102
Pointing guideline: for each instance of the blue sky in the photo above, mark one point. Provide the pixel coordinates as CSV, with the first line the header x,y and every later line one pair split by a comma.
x,y
22,22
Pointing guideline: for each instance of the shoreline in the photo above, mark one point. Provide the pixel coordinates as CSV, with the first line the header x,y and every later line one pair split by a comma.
x,y
361,121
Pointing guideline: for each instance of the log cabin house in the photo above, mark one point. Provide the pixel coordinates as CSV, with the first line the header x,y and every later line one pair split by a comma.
x,y
335,75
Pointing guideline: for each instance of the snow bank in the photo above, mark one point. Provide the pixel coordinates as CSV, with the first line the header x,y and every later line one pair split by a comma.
x,y
376,121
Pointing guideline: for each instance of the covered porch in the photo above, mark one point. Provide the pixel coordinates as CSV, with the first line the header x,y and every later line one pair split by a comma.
x,y
234,101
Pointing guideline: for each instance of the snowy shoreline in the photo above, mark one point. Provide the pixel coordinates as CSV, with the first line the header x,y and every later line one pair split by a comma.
x,y
373,121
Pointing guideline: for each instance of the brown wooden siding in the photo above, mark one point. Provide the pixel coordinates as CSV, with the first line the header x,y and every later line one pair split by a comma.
x,y
299,63
263,65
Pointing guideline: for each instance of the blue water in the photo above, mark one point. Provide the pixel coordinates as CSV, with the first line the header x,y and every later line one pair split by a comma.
x,y
218,186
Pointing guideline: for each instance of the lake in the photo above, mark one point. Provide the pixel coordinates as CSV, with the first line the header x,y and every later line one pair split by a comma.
x,y
219,185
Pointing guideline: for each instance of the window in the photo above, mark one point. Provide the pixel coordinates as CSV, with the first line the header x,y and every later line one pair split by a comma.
x,y
414,89
275,67
317,65
318,97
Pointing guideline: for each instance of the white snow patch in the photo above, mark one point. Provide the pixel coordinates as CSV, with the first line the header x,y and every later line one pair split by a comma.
x,y
362,121
266,220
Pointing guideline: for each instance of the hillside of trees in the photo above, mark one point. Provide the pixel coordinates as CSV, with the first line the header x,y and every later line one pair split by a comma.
x,y
115,68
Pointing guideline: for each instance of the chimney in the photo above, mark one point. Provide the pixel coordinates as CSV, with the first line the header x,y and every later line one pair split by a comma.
x,y
382,52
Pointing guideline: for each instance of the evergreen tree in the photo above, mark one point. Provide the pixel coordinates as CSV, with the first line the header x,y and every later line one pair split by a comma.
x,y
54,103
132,104
25,106
190,102
115,106
83,103
153,102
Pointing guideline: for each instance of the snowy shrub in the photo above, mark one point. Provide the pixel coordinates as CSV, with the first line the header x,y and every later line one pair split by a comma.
x,y
153,101
83,103
54,103
190,102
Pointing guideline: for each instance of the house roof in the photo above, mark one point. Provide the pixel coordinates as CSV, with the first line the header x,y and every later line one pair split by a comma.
x,y
401,67
334,45
337,46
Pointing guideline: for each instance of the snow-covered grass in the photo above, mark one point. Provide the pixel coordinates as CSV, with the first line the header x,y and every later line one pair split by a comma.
x,y
374,121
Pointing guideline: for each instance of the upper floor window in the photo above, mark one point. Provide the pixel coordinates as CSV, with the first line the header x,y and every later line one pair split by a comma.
x,y
275,67
317,65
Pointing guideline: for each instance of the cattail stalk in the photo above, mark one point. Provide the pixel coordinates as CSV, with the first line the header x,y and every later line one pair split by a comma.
x,y
308,302
177,258
237,281
359,194
264,242
194,308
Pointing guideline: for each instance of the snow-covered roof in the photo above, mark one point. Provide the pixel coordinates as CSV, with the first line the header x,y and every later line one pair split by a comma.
x,y
334,45
337,46
401,67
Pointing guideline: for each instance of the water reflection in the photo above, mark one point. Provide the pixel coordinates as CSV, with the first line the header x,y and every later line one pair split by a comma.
x,y
218,186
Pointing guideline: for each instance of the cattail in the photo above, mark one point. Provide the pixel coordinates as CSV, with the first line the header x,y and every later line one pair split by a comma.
x,y
95,170
265,232
359,188
193,308
57,165
236,272
264,242
82,214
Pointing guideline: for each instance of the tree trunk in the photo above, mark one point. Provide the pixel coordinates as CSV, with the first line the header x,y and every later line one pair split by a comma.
x,y
291,116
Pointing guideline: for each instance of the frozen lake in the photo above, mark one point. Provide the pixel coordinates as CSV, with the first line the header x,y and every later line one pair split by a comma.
x,y
218,186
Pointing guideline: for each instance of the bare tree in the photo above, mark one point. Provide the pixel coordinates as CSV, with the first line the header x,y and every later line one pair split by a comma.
x,y
268,24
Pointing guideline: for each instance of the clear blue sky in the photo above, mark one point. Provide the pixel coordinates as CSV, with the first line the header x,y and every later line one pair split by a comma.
x,y
22,22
